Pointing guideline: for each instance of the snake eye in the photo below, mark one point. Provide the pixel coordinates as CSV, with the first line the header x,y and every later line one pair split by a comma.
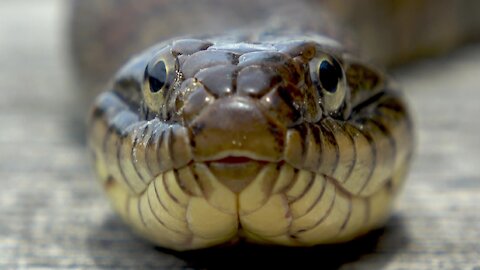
x,y
157,76
329,75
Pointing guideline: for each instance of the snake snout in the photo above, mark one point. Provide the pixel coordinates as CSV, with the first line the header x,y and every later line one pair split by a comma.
x,y
236,127
241,108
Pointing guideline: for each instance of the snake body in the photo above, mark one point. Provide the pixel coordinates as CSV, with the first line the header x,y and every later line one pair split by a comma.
x,y
277,139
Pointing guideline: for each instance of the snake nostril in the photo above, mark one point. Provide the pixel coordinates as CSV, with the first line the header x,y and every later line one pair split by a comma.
x,y
198,99
284,104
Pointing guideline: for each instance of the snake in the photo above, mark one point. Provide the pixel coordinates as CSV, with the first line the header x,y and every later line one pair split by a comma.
x,y
276,137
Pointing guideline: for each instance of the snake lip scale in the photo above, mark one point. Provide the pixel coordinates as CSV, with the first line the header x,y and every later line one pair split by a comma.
x,y
231,160
277,139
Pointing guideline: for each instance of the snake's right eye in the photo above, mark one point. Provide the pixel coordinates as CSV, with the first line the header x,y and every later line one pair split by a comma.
x,y
329,79
156,76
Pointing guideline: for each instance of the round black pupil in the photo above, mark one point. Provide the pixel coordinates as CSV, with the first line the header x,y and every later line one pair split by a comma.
x,y
157,76
329,75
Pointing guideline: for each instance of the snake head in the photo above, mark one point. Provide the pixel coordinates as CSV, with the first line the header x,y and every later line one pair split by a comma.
x,y
240,99
289,141
303,102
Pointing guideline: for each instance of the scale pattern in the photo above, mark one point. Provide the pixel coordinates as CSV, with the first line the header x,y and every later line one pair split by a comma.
x,y
313,177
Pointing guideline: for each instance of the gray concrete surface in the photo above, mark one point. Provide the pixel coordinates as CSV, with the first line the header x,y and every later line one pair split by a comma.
x,y
53,214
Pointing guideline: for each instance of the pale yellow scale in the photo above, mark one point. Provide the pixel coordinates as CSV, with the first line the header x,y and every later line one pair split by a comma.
x,y
191,208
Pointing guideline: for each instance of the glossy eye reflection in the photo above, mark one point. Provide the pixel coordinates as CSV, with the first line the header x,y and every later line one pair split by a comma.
x,y
157,76
329,79
329,75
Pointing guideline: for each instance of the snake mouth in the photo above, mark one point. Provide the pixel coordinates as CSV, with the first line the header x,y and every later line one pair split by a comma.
x,y
234,160
235,172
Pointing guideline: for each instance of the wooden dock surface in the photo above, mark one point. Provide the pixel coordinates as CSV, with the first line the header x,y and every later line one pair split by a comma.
x,y
53,214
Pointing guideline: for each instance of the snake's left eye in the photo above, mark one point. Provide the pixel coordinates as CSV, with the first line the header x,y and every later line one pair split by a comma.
x,y
329,79
157,76
330,74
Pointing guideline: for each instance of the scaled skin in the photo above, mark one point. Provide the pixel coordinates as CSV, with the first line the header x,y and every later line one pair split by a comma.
x,y
243,140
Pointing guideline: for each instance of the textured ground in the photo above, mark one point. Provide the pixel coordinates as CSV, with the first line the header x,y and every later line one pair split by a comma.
x,y
53,214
